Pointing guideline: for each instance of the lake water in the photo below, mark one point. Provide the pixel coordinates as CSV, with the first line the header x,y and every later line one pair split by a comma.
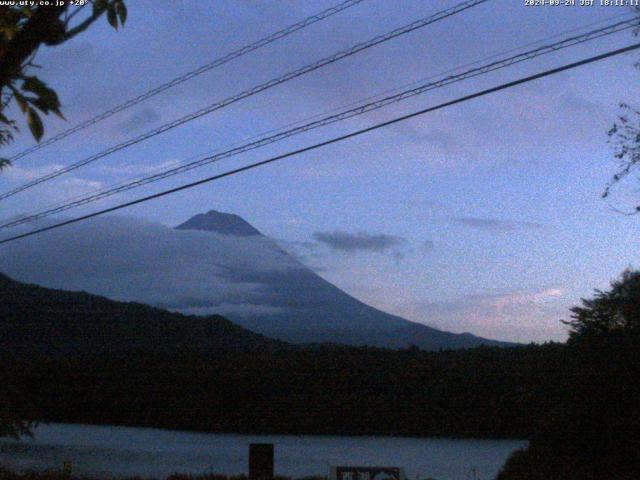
x,y
121,451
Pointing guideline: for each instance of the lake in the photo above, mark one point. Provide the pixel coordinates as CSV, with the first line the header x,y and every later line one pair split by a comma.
x,y
122,451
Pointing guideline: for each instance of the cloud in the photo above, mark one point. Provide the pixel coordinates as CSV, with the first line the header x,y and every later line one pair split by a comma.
x,y
319,259
358,242
495,224
134,260
134,170
496,301
61,188
526,298
250,279
308,253
139,120
522,315
437,137
26,174
234,309
428,245
578,104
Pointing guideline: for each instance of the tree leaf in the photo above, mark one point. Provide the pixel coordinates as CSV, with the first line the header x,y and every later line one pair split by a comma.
x,y
5,120
121,10
22,102
35,124
47,100
112,16
35,85
46,104
58,113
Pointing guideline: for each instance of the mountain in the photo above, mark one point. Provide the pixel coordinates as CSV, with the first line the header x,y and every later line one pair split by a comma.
x,y
36,320
215,263
218,222
326,313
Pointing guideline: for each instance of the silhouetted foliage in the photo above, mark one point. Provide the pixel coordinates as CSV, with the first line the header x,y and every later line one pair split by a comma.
x,y
56,323
36,322
609,316
624,137
593,432
60,475
482,392
579,403
23,29
77,357
14,417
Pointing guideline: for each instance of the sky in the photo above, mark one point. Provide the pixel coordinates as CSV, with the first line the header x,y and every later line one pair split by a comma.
x,y
483,217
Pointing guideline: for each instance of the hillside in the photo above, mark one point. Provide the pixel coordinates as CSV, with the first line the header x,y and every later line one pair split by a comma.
x,y
37,320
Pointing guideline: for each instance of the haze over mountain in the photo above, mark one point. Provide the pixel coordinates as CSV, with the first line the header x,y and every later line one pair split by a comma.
x,y
215,263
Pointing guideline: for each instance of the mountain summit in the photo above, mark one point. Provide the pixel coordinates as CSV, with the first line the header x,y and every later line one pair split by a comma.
x,y
214,263
219,222
310,309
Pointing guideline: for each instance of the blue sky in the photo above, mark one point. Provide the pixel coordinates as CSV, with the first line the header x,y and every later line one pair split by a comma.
x,y
484,217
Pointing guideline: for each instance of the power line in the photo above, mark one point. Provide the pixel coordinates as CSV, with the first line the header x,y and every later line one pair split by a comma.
x,y
192,74
349,113
124,186
252,91
356,133
45,210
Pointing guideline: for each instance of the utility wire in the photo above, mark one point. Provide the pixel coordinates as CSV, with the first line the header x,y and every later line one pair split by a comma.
x,y
252,91
124,186
356,133
191,74
349,113
319,115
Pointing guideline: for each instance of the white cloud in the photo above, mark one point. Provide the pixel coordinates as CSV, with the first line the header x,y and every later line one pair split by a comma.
x,y
523,315
527,298
128,259
16,173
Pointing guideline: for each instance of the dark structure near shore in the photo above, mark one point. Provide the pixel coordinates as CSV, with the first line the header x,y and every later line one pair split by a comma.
x,y
261,461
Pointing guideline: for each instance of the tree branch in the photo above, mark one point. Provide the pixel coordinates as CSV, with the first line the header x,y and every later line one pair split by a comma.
x,y
81,27
27,41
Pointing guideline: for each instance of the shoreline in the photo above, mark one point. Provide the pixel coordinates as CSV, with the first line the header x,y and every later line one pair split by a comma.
x,y
281,434
126,452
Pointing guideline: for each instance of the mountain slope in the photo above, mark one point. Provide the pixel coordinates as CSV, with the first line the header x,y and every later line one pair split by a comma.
x,y
325,313
36,320
215,263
